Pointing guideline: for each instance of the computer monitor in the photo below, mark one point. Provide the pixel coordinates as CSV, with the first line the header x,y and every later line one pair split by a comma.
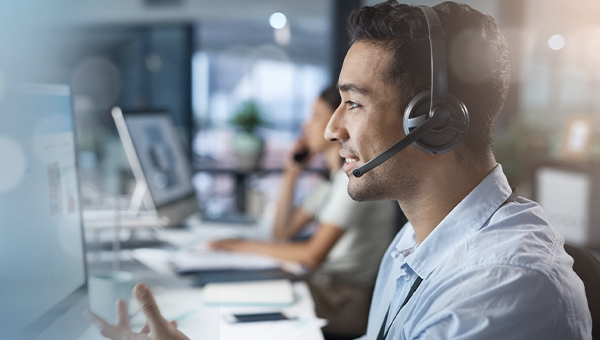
x,y
159,162
43,289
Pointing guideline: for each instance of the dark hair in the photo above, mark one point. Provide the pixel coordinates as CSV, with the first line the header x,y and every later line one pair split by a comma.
x,y
477,57
331,96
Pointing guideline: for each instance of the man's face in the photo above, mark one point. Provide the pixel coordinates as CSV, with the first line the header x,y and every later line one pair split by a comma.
x,y
368,122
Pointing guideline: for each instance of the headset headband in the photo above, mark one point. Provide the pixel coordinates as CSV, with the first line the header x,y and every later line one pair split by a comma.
x,y
439,72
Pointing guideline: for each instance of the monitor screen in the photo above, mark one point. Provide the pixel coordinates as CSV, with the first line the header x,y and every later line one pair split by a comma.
x,y
42,261
161,155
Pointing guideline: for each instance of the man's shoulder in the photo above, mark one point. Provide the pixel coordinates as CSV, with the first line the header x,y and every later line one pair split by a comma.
x,y
520,246
518,257
518,234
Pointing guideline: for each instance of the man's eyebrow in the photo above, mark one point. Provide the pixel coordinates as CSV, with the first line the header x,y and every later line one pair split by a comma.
x,y
352,88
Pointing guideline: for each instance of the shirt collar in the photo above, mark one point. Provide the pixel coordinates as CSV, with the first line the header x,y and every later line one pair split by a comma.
x,y
467,217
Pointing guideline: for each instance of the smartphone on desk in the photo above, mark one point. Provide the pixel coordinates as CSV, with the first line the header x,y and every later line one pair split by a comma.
x,y
258,317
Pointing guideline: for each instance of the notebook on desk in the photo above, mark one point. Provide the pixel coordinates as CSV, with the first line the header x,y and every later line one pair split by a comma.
x,y
194,262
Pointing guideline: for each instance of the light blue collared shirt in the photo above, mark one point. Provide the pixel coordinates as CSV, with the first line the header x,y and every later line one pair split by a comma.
x,y
490,271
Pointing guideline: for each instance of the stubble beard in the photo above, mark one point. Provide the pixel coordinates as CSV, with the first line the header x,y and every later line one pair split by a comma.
x,y
385,182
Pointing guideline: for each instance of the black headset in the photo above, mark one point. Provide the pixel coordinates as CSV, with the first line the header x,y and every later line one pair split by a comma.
x,y
434,121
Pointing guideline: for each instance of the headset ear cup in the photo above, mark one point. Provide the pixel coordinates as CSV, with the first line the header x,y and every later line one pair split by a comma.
x,y
444,139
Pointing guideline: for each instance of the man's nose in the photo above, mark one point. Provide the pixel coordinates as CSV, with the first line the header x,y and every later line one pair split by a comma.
x,y
335,130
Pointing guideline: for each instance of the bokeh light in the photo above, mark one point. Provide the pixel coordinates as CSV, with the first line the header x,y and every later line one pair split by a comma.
x,y
99,79
278,20
154,63
557,42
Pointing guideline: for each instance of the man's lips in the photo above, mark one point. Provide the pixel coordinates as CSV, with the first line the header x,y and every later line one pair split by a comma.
x,y
347,154
350,160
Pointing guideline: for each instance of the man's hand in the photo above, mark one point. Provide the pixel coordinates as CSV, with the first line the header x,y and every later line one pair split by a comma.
x,y
156,328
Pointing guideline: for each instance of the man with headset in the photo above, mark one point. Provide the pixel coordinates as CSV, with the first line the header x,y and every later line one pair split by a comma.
x,y
475,260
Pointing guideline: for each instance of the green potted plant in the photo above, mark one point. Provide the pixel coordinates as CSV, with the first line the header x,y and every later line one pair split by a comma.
x,y
248,146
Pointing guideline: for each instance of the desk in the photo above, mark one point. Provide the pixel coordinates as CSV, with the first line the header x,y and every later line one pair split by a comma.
x,y
178,300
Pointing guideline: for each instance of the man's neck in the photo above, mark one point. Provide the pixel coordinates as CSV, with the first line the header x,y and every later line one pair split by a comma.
x,y
434,200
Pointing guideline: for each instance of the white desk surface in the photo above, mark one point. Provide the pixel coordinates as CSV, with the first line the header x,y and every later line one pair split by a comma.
x,y
202,322
178,300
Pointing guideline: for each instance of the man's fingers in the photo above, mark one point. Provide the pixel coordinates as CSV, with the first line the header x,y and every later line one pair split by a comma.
x,y
104,327
149,307
122,314
174,323
145,329
95,319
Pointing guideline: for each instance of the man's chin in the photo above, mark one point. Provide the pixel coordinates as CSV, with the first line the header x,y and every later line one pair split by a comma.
x,y
367,188
354,197
359,194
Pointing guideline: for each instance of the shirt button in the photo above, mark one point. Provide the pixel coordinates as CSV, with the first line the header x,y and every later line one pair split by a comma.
x,y
395,254
406,277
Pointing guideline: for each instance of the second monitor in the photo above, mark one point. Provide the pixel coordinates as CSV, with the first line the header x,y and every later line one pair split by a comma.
x,y
159,162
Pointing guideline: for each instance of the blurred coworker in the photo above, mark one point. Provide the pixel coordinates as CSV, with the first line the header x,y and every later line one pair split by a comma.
x,y
344,252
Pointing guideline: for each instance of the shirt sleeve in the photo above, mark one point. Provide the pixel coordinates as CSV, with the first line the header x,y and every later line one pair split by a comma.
x,y
526,306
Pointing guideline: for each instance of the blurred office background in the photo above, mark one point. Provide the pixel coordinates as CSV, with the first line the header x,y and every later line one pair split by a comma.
x,y
202,60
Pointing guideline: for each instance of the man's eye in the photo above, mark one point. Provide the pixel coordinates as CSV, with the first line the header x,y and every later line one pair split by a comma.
x,y
352,105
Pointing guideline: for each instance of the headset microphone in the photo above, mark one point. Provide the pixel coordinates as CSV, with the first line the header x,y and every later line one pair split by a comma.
x,y
440,118
434,121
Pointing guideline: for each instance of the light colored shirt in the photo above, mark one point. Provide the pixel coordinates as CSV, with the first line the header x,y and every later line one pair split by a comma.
x,y
490,270
368,230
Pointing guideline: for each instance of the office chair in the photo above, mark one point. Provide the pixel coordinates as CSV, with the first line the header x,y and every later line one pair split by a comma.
x,y
587,267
